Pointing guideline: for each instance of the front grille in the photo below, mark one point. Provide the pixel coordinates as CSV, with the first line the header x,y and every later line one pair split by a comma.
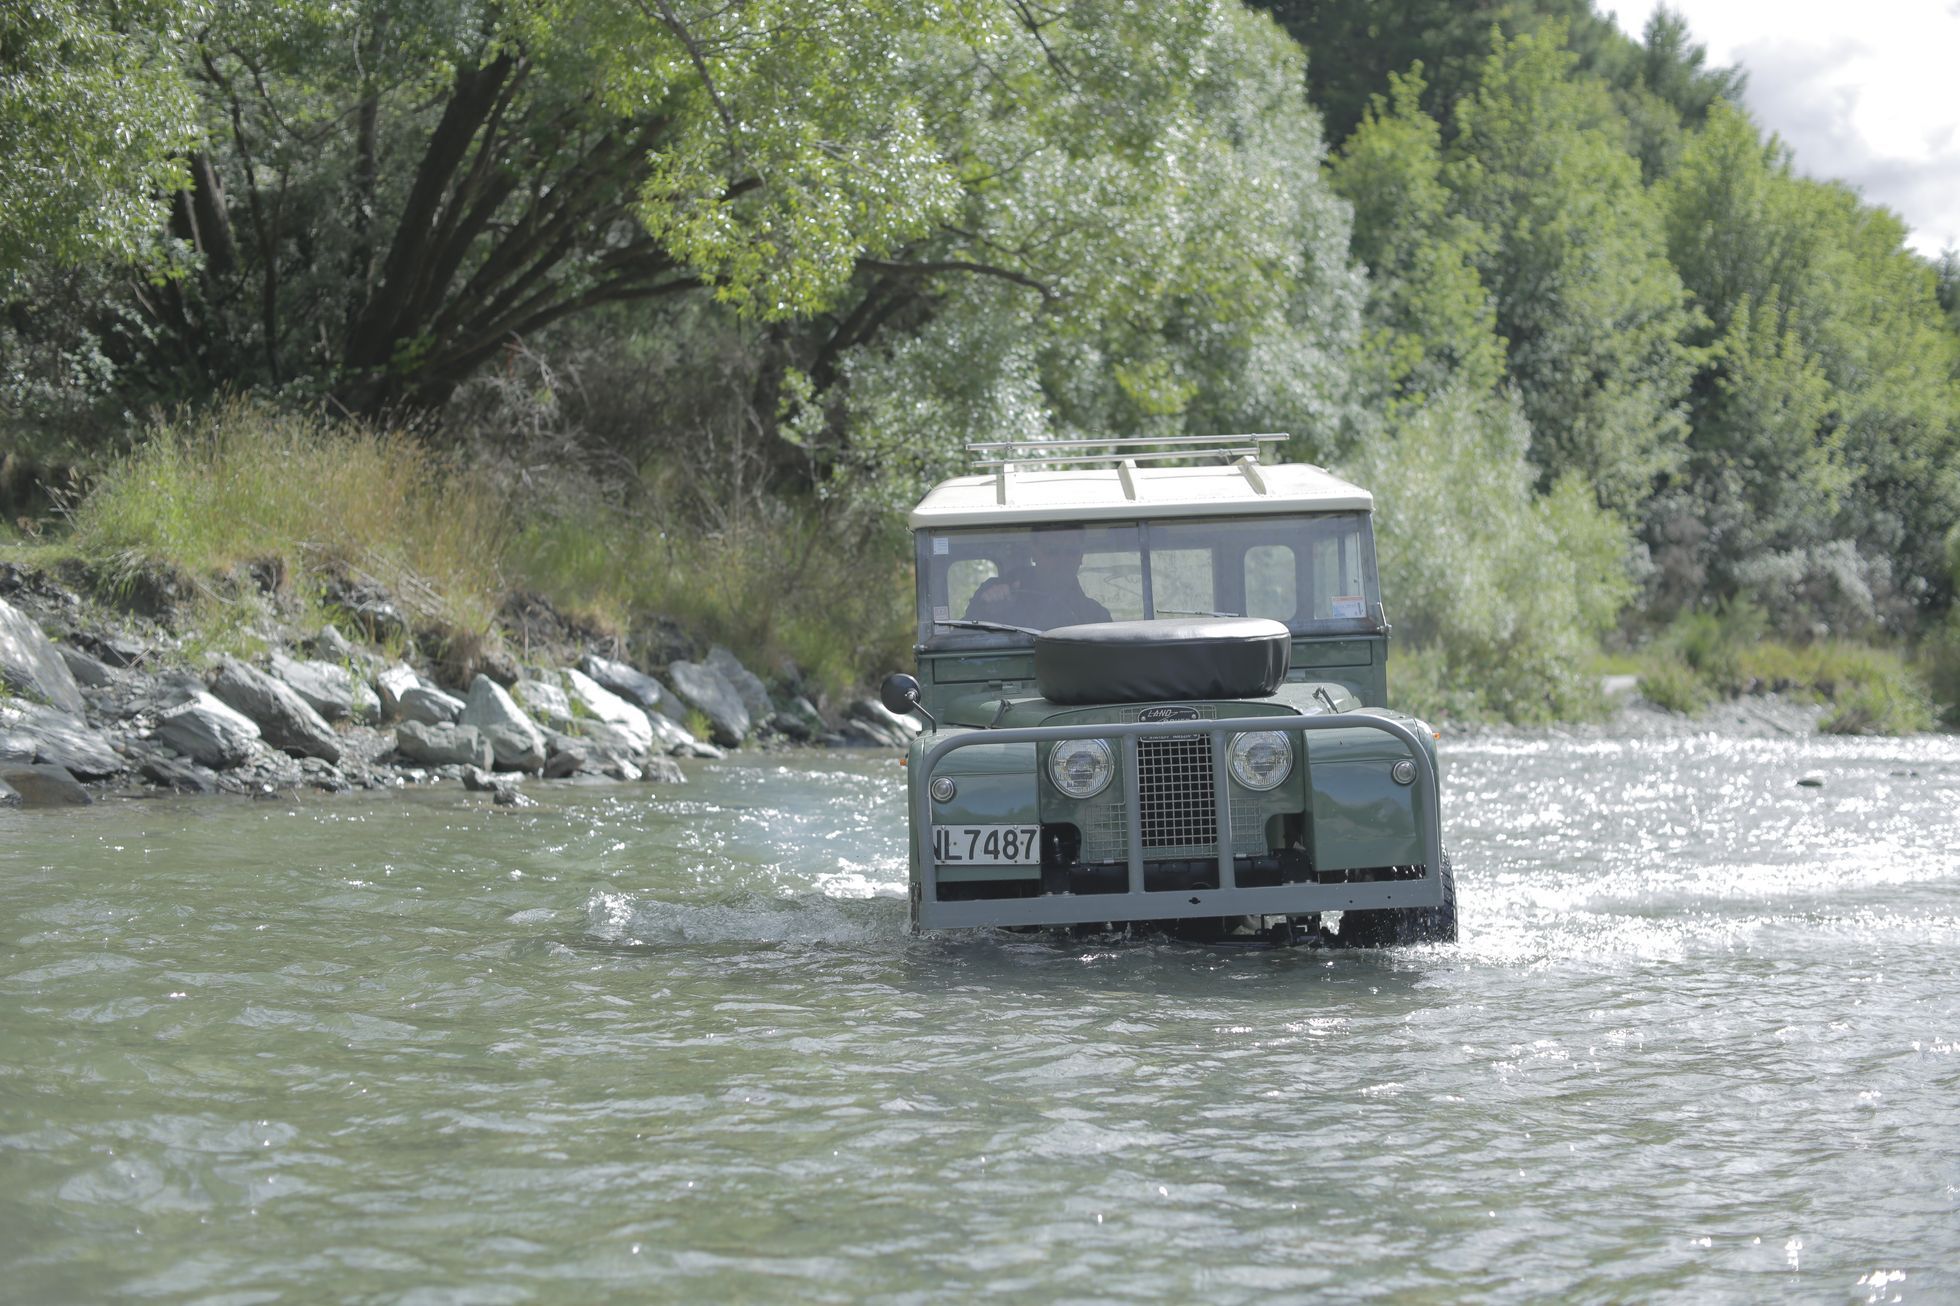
x,y
1175,792
1178,816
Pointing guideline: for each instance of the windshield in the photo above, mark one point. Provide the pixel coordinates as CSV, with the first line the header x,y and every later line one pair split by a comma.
x,y
1311,572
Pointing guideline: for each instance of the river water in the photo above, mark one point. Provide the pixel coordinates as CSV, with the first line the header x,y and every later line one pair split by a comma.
x,y
1698,1043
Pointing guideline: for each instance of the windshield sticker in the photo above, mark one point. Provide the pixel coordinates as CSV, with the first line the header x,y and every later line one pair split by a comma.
x,y
941,546
941,612
1350,605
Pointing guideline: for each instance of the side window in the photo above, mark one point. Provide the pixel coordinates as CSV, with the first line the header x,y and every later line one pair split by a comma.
x,y
1338,591
1181,582
1271,582
963,577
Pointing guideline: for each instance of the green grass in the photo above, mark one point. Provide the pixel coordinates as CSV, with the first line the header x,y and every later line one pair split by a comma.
x,y
791,585
1429,682
245,484
1706,656
203,498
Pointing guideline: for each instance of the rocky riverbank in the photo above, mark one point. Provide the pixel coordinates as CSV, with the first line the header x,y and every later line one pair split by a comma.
x,y
107,698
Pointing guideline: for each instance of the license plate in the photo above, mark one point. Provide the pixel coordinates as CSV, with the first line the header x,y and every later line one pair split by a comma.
x,y
986,845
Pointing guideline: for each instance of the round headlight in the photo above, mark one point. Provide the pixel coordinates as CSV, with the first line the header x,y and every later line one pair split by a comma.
x,y
943,789
1261,758
1081,768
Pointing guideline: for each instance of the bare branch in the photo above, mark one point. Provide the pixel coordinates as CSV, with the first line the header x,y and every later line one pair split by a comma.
x,y
1048,293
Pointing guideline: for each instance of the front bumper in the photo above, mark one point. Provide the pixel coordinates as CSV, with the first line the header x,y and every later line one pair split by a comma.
x,y
1137,902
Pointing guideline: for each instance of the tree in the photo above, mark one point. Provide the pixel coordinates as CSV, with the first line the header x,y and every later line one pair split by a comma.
x,y
400,192
1592,312
1432,325
1825,454
1509,589
1199,284
94,121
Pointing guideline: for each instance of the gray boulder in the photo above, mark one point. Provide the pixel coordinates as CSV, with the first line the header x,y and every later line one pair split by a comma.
x,y
326,687
9,796
178,773
635,687
792,727
708,692
87,671
392,683
479,781
545,702
662,771
754,694
30,667
282,716
118,650
30,732
899,729
16,745
208,732
614,741
333,646
670,736
428,705
566,755
42,786
601,707
516,739
443,744
516,750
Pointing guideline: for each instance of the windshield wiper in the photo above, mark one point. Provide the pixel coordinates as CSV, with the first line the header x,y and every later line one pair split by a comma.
x,y
985,625
1192,612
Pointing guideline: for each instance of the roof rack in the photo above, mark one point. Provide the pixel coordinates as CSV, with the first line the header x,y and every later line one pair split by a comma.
x,y
1008,455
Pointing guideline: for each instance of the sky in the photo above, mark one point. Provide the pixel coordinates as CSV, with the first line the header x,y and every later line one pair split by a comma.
x,y
1866,93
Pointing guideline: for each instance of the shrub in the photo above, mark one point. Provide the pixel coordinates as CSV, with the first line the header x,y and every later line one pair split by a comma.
x,y
1893,706
1940,656
1506,591
1671,684
782,582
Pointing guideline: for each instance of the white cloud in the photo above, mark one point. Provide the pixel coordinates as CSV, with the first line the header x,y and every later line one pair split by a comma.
x,y
1864,94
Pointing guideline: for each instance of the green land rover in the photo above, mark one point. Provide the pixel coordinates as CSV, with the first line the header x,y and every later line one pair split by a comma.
x,y
1157,693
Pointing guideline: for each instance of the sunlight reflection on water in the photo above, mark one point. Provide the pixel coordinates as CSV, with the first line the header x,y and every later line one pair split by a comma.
x,y
1698,1041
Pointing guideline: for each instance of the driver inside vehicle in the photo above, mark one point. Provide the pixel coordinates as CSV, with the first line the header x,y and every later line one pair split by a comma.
x,y
1045,592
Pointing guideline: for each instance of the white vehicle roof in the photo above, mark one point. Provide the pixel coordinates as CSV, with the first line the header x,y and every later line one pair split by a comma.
x,y
1122,489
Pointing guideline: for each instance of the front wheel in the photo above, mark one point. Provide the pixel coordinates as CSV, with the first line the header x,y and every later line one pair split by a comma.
x,y
1388,927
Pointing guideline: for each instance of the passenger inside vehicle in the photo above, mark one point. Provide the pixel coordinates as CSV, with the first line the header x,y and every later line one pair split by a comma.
x,y
1043,593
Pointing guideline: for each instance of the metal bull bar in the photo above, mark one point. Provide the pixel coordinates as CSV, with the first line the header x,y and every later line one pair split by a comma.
x,y
1228,899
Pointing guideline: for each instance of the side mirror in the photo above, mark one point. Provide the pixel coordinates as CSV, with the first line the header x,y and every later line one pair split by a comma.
x,y
899,693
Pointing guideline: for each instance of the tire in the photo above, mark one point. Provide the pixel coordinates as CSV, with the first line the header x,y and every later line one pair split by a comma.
x,y
1390,927
1165,660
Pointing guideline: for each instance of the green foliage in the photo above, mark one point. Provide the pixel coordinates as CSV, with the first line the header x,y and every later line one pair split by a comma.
x,y
1825,450
1431,323
1592,311
1881,706
1939,659
1195,279
1705,655
1511,590
1671,684
95,116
